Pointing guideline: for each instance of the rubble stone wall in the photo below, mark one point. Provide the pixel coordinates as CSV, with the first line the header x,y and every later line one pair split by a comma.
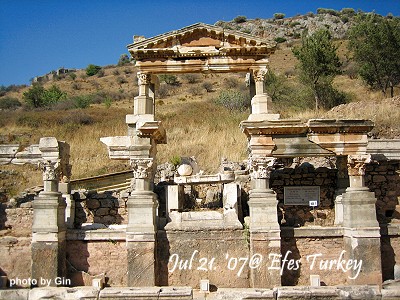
x,y
306,175
97,257
383,179
105,208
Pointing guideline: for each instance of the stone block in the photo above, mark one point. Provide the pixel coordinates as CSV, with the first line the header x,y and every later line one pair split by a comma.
x,y
76,293
237,293
141,263
14,294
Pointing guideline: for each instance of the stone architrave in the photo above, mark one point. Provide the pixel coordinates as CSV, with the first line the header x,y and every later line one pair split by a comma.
x,y
264,226
48,228
141,228
361,228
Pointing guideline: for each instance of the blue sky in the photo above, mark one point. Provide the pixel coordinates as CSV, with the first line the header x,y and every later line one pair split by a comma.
x,y
37,36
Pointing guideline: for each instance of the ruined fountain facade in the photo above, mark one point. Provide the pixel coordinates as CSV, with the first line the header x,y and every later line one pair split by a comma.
x,y
202,48
142,251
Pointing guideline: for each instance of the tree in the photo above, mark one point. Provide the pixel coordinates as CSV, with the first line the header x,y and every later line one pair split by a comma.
x,y
123,59
92,70
319,63
34,96
375,43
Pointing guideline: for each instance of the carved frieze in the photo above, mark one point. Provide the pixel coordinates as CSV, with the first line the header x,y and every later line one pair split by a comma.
x,y
261,167
356,164
142,167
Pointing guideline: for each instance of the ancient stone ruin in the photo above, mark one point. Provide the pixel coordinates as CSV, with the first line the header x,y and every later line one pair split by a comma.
x,y
277,220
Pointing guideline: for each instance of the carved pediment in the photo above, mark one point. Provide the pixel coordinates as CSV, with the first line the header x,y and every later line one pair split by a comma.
x,y
200,40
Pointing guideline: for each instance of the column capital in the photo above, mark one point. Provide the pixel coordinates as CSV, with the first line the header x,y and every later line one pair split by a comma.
x,y
50,168
356,164
259,75
144,78
261,167
142,167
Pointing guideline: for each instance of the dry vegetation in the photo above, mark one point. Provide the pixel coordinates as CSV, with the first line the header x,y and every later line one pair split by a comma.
x,y
195,125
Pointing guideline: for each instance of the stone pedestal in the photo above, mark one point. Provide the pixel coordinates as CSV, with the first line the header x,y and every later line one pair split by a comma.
x,y
264,227
48,238
174,199
361,228
141,229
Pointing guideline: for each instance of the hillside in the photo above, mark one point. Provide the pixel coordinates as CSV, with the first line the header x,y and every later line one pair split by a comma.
x,y
195,124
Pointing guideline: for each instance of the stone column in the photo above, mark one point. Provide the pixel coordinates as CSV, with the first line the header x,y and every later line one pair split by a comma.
x,y
261,102
141,228
361,228
342,184
264,227
143,103
48,229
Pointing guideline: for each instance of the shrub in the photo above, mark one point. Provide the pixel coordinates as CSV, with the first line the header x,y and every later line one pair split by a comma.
x,y
34,96
233,100
9,103
278,16
92,70
72,75
332,12
82,101
191,78
107,102
240,19
280,39
53,95
348,11
176,160
123,59
121,80
116,72
31,121
77,118
195,90
208,86
231,82
163,91
100,73
168,79
76,86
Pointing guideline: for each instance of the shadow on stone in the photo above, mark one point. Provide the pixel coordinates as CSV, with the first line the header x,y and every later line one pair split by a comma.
x,y
290,251
163,254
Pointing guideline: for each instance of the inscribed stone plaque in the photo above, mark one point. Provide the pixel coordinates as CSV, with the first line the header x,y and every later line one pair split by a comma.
x,y
300,195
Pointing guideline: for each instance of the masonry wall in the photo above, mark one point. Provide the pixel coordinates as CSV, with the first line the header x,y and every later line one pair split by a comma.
x,y
98,257
15,242
306,175
211,251
105,208
383,179
312,252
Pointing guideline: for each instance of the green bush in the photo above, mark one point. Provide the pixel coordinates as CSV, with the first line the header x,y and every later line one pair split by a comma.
x,y
53,95
191,78
240,19
233,100
72,75
123,59
34,96
168,79
9,103
278,16
280,39
92,70
82,101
